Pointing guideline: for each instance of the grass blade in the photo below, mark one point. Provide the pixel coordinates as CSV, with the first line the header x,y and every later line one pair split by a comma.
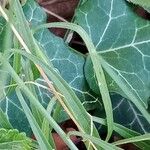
x,y
43,143
36,103
97,141
125,89
70,99
133,139
124,132
97,67
46,128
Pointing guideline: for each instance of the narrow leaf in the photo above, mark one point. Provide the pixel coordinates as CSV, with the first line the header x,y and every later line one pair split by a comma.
x,y
43,143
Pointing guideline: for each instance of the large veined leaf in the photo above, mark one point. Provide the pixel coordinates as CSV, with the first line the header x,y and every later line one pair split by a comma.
x,y
2,26
126,114
44,97
67,62
143,3
15,114
4,40
122,39
120,36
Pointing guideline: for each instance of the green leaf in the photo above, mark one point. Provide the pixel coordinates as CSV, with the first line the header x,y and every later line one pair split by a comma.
x,y
44,97
5,44
135,139
126,114
15,114
82,1
67,62
4,123
43,142
46,128
36,103
2,31
97,141
122,39
10,139
98,68
143,3
14,111
124,132
34,13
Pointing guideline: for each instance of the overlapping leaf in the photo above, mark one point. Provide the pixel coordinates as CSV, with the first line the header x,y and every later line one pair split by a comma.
x,y
123,39
15,113
143,3
2,30
126,114
66,61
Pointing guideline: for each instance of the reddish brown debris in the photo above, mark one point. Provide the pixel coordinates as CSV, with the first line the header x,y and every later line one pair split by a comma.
x,y
62,8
